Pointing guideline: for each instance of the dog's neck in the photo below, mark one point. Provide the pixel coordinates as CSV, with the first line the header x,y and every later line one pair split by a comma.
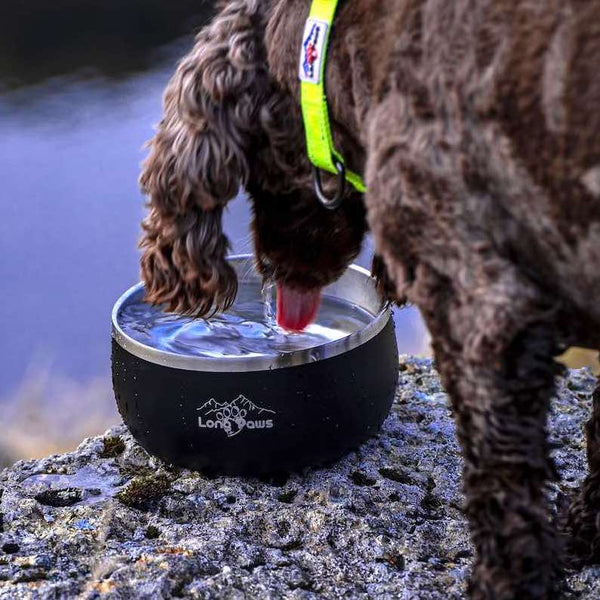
x,y
354,61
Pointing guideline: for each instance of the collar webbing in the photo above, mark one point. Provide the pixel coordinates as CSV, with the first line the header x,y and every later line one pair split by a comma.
x,y
313,54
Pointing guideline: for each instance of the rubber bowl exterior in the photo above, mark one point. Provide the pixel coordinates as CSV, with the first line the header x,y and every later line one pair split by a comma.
x,y
260,415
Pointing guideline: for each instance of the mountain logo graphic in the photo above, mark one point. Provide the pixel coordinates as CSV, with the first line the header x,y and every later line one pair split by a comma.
x,y
235,416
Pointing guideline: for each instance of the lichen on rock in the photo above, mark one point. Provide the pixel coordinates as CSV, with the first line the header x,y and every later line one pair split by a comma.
x,y
110,521
143,492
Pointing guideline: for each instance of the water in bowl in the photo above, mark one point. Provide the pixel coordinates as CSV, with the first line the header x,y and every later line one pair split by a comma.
x,y
248,328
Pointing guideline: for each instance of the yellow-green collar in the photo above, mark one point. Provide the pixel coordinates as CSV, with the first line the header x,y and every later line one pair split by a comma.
x,y
319,141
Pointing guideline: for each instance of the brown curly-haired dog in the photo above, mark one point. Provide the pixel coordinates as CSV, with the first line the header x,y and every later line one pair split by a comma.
x,y
477,126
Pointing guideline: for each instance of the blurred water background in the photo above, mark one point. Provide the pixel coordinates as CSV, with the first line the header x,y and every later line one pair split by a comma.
x,y
80,89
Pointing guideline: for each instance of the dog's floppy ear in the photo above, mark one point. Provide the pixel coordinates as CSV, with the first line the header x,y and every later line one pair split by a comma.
x,y
198,160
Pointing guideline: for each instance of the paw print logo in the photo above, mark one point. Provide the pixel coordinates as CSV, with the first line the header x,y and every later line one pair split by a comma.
x,y
232,419
235,416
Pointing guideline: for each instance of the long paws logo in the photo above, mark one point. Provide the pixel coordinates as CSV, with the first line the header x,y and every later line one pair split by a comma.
x,y
311,56
235,416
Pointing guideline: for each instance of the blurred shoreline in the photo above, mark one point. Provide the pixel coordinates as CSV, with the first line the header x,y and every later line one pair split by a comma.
x,y
40,40
50,413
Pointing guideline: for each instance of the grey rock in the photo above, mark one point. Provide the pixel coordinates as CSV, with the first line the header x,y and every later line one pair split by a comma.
x,y
110,521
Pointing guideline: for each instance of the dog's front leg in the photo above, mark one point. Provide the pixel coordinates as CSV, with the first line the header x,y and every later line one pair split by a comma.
x,y
500,382
494,349
493,337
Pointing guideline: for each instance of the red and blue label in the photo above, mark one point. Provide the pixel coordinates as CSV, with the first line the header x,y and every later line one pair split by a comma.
x,y
311,56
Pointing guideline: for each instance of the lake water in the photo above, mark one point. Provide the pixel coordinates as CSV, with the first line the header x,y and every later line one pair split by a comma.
x,y
70,151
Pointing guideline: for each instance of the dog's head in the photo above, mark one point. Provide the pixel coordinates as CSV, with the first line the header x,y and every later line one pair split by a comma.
x,y
303,246
228,123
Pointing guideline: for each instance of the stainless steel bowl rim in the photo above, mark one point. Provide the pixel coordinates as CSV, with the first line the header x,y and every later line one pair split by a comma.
x,y
263,363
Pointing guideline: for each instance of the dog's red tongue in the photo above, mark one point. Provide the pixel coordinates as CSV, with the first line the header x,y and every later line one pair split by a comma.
x,y
296,308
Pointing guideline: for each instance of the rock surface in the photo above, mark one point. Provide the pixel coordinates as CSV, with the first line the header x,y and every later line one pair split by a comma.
x,y
109,521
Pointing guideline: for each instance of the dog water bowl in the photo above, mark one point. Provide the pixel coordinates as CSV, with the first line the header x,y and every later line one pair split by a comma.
x,y
249,412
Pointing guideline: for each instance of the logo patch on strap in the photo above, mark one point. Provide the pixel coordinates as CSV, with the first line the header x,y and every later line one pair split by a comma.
x,y
311,57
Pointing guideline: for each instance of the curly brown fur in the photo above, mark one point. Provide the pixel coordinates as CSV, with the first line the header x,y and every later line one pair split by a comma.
x,y
476,125
199,159
294,232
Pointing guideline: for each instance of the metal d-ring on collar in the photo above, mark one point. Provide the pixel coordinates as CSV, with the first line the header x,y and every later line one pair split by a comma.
x,y
315,111
330,203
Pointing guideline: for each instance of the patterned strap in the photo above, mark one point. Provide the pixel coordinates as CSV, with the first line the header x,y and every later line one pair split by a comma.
x,y
313,55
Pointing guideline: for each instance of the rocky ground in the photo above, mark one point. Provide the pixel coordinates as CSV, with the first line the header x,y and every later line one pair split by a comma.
x,y
109,521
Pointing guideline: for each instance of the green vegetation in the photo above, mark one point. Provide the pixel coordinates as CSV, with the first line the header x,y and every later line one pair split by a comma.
x,y
143,492
113,446
152,532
